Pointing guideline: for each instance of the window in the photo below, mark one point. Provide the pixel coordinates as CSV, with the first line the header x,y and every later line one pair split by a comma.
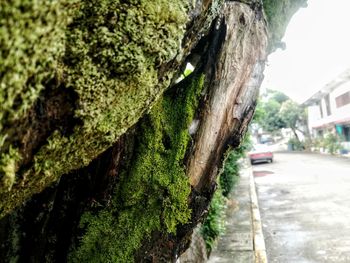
x,y
343,99
346,132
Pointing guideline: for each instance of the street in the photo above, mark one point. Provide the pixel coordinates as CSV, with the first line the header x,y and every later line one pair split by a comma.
x,y
304,204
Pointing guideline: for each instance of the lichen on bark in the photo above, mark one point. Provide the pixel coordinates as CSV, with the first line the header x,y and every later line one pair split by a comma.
x,y
28,29
97,53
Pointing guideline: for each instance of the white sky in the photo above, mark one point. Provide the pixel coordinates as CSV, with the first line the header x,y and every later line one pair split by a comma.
x,y
318,50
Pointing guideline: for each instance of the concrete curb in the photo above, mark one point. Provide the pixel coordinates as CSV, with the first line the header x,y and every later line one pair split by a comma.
x,y
258,236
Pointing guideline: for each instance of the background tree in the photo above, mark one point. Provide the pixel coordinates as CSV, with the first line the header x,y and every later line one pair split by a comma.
x,y
272,121
294,117
276,95
267,111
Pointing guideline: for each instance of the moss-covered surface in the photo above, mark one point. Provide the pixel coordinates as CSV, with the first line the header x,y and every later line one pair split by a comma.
x,y
8,168
153,194
279,13
32,36
113,69
107,52
31,44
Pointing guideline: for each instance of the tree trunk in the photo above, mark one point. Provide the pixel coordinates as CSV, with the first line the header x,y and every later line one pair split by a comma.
x,y
105,155
295,134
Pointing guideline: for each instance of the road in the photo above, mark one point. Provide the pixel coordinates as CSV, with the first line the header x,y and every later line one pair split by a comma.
x,y
304,203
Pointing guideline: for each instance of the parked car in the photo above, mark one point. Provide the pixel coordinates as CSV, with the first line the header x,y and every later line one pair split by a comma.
x,y
267,140
260,153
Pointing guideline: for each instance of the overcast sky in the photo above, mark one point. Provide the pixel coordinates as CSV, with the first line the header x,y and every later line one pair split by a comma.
x,y
318,50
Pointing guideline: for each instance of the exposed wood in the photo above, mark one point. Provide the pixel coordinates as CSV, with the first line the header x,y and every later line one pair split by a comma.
x,y
236,77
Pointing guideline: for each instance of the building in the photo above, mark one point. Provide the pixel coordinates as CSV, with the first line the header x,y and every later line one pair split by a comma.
x,y
329,110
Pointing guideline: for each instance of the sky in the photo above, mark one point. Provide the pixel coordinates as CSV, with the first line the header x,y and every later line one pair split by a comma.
x,y
317,50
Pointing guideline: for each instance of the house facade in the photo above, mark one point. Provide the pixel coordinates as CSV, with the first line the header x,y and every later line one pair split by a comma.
x,y
329,110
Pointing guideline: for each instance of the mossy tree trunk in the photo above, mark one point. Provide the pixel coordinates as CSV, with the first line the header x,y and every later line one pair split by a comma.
x,y
104,156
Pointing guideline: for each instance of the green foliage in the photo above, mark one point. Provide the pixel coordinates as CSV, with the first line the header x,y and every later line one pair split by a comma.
x,y
272,121
214,224
267,110
291,113
331,143
153,194
278,96
229,175
294,117
279,13
316,143
296,145
275,111
259,113
269,117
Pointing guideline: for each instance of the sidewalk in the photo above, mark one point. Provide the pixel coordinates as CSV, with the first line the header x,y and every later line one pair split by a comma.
x,y
243,241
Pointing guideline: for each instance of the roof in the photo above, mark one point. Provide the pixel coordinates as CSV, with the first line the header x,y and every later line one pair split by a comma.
x,y
328,88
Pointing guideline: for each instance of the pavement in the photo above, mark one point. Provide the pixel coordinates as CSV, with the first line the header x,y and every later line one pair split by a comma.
x,y
243,241
305,207
294,210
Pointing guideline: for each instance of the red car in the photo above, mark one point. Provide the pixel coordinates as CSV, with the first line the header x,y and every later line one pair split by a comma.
x,y
260,153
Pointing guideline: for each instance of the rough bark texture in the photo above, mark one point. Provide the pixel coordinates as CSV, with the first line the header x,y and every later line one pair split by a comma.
x,y
235,77
103,157
197,251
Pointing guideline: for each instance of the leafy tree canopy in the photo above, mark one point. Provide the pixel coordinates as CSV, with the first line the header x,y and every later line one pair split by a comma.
x,y
275,110
267,111
278,96
291,113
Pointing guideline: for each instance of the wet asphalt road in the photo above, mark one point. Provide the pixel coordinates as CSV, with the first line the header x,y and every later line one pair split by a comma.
x,y
304,203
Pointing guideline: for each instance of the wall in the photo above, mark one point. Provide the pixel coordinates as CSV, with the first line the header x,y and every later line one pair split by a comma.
x,y
338,115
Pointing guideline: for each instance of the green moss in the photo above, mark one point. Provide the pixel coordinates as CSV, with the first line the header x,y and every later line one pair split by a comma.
x,y
279,13
32,36
96,49
8,168
112,67
31,39
153,195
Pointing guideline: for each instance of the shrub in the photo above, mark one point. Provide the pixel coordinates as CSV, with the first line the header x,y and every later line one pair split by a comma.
x,y
214,224
331,143
296,145
229,176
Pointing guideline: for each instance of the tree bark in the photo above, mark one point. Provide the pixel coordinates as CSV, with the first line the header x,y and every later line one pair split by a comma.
x,y
234,81
111,159
296,135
